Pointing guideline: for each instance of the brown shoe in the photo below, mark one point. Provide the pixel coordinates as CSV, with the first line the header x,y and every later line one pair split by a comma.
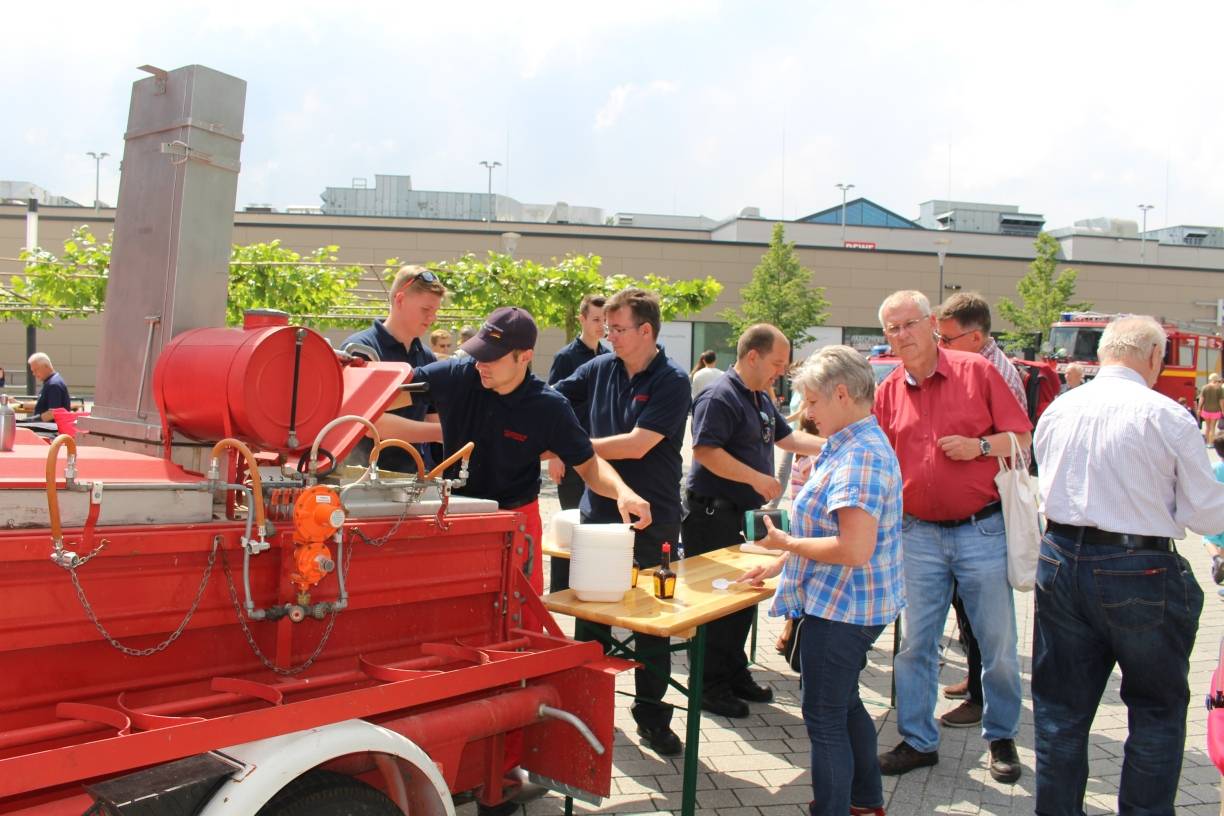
x,y
1004,761
957,691
904,759
965,715
855,810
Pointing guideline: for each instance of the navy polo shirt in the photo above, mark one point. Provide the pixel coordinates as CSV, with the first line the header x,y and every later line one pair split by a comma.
x,y
511,431
567,362
656,399
54,394
391,350
745,424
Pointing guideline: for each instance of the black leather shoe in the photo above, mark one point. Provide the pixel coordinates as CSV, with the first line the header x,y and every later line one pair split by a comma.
x,y
663,741
1004,761
719,700
904,759
748,689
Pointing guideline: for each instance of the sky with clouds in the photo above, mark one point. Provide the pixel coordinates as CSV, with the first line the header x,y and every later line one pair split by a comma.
x,y
1073,110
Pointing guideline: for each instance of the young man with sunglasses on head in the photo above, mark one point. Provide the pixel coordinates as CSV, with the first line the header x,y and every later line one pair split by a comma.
x,y
416,295
948,415
637,405
735,428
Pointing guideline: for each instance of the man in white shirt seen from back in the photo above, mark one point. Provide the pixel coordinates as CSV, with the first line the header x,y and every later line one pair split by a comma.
x,y
1123,474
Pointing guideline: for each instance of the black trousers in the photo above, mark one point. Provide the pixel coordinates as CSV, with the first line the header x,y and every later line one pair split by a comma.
x,y
973,652
569,492
650,683
704,530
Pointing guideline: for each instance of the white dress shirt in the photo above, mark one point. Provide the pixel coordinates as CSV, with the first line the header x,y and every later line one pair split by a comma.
x,y
1116,455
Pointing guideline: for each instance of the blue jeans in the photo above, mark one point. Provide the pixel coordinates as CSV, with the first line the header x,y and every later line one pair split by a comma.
x,y
844,765
1098,606
975,555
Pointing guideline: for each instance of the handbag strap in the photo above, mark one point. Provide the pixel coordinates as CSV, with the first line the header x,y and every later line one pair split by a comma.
x,y
1009,462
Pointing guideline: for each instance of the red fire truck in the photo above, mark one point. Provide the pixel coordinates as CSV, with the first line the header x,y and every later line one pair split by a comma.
x,y
1191,356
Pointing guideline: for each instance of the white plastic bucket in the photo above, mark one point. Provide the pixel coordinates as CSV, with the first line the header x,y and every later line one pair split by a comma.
x,y
601,561
563,524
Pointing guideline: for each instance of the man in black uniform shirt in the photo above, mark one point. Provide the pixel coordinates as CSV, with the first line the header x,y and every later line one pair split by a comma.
x,y
586,346
416,295
735,428
638,403
491,398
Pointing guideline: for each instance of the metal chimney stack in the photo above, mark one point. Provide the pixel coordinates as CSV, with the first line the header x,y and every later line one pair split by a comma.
x,y
174,226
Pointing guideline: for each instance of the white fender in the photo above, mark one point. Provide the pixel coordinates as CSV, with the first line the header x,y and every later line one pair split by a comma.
x,y
275,762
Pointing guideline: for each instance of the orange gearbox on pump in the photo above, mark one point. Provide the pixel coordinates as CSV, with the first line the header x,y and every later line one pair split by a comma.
x,y
317,515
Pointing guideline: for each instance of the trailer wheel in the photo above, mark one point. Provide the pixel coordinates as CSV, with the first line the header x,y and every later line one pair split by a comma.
x,y
324,793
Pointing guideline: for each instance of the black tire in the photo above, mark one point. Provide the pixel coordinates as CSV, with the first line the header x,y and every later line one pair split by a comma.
x,y
323,793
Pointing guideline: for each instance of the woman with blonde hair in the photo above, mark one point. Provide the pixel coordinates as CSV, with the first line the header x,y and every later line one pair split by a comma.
x,y
841,576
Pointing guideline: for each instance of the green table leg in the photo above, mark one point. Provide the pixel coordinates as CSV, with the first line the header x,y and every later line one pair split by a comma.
x,y
569,806
692,742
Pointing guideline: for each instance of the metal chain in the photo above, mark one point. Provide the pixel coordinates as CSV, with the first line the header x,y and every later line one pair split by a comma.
x,y
80,562
414,493
173,636
250,638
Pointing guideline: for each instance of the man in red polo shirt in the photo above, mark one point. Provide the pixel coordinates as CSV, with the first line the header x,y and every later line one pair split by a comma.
x,y
947,414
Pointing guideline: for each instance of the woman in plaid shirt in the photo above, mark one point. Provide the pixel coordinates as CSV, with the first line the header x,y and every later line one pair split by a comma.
x,y
841,575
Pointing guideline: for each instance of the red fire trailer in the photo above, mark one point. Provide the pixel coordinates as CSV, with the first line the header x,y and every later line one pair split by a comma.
x,y
195,617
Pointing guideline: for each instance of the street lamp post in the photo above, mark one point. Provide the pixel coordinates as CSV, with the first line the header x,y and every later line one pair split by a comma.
x,y
941,247
492,209
97,157
1143,233
490,165
844,188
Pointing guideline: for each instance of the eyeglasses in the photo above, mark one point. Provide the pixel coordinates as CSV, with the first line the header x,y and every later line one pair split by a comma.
x,y
947,341
426,275
894,330
767,428
617,330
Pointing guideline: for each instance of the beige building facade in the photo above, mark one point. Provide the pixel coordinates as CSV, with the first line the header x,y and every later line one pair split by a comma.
x,y
1175,283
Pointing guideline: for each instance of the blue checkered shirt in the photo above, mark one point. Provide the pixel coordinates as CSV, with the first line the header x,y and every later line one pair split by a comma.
x,y
857,468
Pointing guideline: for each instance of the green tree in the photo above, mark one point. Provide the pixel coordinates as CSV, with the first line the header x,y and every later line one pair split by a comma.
x,y
314,289
553,293
57,288
1044,295
782,293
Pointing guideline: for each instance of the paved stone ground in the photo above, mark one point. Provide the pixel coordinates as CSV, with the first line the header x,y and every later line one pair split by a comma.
x,y
758,766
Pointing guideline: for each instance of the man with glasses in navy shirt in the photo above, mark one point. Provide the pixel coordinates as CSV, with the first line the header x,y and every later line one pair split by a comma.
x,y
416,295
735,428
638,402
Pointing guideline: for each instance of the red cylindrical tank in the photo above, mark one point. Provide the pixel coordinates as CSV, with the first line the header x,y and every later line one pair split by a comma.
x,y
213,383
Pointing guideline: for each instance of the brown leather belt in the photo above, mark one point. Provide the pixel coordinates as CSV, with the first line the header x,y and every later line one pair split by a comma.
x,y
1092,535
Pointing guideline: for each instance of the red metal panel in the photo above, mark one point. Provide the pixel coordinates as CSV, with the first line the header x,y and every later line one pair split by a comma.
x,y
556,750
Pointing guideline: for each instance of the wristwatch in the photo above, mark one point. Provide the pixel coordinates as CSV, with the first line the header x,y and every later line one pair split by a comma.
x,y
984,446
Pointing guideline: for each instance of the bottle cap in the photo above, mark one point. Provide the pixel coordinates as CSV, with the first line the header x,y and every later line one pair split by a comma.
x,y
667,548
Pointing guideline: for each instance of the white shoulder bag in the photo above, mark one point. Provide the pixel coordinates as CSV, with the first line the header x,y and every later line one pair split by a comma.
x,y
1018,494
